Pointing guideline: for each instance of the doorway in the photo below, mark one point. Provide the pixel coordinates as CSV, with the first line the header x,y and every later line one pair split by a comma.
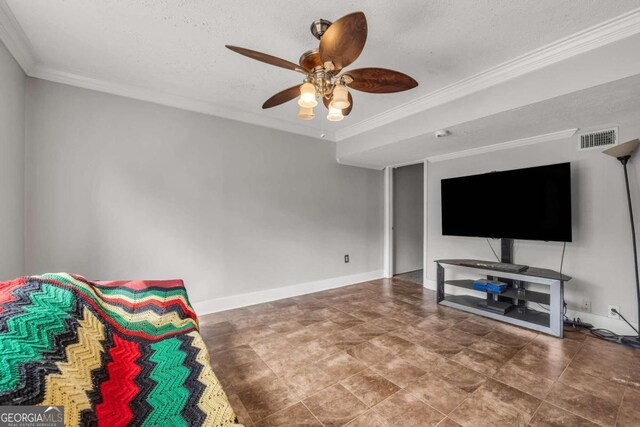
x,y
408,222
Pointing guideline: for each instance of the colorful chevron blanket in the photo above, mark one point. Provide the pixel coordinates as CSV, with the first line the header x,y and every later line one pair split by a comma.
x,y
112,353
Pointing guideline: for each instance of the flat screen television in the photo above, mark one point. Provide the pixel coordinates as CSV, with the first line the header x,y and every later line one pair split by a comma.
x,y
529,204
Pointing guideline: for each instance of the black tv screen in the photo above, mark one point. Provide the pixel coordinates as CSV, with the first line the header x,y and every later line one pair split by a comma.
x,y
530,204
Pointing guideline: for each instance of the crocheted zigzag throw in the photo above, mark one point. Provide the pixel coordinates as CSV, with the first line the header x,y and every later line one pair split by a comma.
x,y
112,353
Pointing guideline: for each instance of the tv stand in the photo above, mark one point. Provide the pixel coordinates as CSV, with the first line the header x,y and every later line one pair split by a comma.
x,y
517,295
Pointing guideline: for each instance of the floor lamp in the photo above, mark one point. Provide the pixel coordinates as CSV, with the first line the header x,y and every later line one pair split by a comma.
x,y
623,153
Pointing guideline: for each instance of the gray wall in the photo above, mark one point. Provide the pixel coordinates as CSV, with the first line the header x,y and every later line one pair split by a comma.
x,y
12,116
121,189
599,259
408,219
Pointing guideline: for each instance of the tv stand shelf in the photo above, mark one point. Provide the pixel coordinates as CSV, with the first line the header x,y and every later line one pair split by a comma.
x,y
532,296
517,294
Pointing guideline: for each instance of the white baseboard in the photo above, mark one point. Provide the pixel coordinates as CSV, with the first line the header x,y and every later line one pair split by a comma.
x,y
235,301
617,326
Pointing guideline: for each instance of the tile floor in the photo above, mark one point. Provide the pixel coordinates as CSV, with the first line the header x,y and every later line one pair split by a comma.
x,y
382,353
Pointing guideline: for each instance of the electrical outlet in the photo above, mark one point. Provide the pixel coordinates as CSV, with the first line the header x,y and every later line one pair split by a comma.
x,y
586,305
346,258
610,312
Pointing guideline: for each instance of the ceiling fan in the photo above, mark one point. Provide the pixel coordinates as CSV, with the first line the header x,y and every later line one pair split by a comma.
x,y
341,43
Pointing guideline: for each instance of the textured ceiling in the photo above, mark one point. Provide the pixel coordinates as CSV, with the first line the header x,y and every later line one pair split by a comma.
x,y
601,106
177,47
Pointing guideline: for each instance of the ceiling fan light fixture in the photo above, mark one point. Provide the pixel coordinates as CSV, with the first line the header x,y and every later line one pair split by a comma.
x,y
341,43
340,97
305,113
307,95
335,114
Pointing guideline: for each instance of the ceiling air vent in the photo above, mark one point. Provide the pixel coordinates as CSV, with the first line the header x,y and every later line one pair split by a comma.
x,y
597,139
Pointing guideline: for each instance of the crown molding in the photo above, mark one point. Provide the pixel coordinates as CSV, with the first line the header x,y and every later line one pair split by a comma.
x,y
607,32
176,101
347,162
15,39
591,38
563,134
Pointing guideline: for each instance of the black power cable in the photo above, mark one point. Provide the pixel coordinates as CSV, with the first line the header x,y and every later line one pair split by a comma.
x,y
625,319
607,335
494,252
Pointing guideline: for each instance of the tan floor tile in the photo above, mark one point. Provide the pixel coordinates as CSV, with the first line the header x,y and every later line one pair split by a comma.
x,y
255,333
458,375
286,326
630,409
422,358
583,404
500,352
233,357
523,380
405,409
217,329
345,339
440,345
391,333
345,320
576,334
307,380
438,393
479,413
527,334
366,315
508,398
265,399
556,346
457,336
340,366
392,343
508,339
405,316
484,321
318,348
369,419
410,333
386,323
435,323
240,410
335,406
272,345
473,327
370,387
479,362
296,415
370,354
541,363
224,342
367,330
398,371
602,388
552,416
245,376
448,422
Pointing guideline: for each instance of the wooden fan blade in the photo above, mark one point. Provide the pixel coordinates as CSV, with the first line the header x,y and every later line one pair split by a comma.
x,y
380,80
263,57
344,40
282,97
345,111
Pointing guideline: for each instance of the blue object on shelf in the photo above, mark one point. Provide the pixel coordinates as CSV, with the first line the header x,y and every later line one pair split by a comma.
x,y
479,286
489,286
496,288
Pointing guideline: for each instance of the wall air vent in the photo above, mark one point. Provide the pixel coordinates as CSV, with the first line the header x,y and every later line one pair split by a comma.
x,y
597,139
